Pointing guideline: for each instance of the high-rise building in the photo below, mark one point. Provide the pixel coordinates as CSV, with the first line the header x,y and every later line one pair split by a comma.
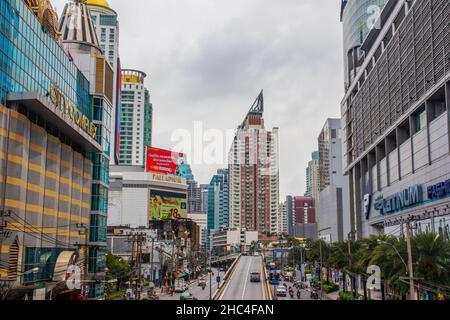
x,y
312,177
135,119
282,219
304,210
358,18
80,41
201,219
107,29
396,122
47,142
330,153
305,217
254,174
290,215
334,195
204,198
106,26
194,197
218,201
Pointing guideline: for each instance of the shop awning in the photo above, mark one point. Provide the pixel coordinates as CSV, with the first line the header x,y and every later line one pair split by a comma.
x,y
63,261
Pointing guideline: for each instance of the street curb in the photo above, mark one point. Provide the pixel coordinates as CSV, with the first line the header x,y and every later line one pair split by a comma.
x,y
269,293
225,278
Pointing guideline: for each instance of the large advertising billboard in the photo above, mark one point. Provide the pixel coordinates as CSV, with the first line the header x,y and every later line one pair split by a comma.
x,y
165,205
165,162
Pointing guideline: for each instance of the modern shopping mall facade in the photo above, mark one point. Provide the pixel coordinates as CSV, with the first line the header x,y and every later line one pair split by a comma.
x,y
396,122
49,142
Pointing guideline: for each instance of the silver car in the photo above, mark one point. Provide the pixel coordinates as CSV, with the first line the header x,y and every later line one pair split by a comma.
x,y
281,291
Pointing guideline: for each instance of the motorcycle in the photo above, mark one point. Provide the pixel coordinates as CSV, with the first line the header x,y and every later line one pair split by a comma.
x,y
299,295
291,293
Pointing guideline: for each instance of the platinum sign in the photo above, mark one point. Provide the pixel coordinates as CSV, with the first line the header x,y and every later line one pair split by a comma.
x,y
400,200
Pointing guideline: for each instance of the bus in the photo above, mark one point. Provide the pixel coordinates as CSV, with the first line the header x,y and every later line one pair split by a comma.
x,y
275,277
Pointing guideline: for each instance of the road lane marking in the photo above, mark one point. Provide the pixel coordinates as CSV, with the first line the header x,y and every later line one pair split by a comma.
x,y
225,289
246,278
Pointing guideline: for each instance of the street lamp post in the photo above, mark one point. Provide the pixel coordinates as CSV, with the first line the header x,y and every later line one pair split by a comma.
x,y
403,261
321,262
352,278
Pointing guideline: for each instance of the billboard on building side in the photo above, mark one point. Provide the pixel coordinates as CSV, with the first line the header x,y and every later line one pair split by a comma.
x,y
165,205
165,162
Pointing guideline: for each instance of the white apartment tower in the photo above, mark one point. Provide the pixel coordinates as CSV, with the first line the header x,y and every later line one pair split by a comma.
x,y
135,119
282,219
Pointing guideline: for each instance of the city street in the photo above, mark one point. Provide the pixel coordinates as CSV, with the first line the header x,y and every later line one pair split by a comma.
x,y
239,287
305,293
196,290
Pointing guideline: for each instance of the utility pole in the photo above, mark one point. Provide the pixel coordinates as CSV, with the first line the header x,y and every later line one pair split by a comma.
x,y
139,266
152,275
210,277
301,263
409,238
173,261
320,277
137,240
83,231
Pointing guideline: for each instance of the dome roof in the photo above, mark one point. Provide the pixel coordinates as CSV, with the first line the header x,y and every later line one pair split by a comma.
x,y
101,3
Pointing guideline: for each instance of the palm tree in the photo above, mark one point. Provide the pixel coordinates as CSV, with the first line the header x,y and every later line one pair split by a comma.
x,y
386,256
431,255
364,256
339,258
343,259
313,255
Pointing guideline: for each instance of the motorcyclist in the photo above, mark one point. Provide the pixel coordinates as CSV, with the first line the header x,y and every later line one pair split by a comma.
x,y
299,294
291,292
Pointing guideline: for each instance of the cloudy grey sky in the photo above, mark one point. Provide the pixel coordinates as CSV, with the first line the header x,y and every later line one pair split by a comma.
x,y
208,59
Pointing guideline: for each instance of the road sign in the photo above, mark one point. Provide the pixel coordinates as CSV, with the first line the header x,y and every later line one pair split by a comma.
x,y
218,279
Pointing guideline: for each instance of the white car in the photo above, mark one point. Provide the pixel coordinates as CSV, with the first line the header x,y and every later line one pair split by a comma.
x,y
281,291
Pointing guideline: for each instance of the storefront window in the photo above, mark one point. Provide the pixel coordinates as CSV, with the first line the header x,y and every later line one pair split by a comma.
x,y
42,258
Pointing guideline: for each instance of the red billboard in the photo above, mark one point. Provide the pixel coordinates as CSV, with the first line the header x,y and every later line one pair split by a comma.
x,y
164,161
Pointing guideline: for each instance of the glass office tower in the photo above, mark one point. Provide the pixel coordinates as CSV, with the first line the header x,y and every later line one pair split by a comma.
x,y
358,17
47,137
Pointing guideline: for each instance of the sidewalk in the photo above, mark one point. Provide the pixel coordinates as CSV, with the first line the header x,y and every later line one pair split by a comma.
x,y
335,295
374,295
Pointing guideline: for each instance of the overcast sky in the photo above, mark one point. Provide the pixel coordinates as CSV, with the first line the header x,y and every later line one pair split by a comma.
x,y
207,60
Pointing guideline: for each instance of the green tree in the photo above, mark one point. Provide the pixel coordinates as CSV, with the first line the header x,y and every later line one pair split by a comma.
x,y
313,255
387,256
431,258
254,247
117,269
343,259
364,255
